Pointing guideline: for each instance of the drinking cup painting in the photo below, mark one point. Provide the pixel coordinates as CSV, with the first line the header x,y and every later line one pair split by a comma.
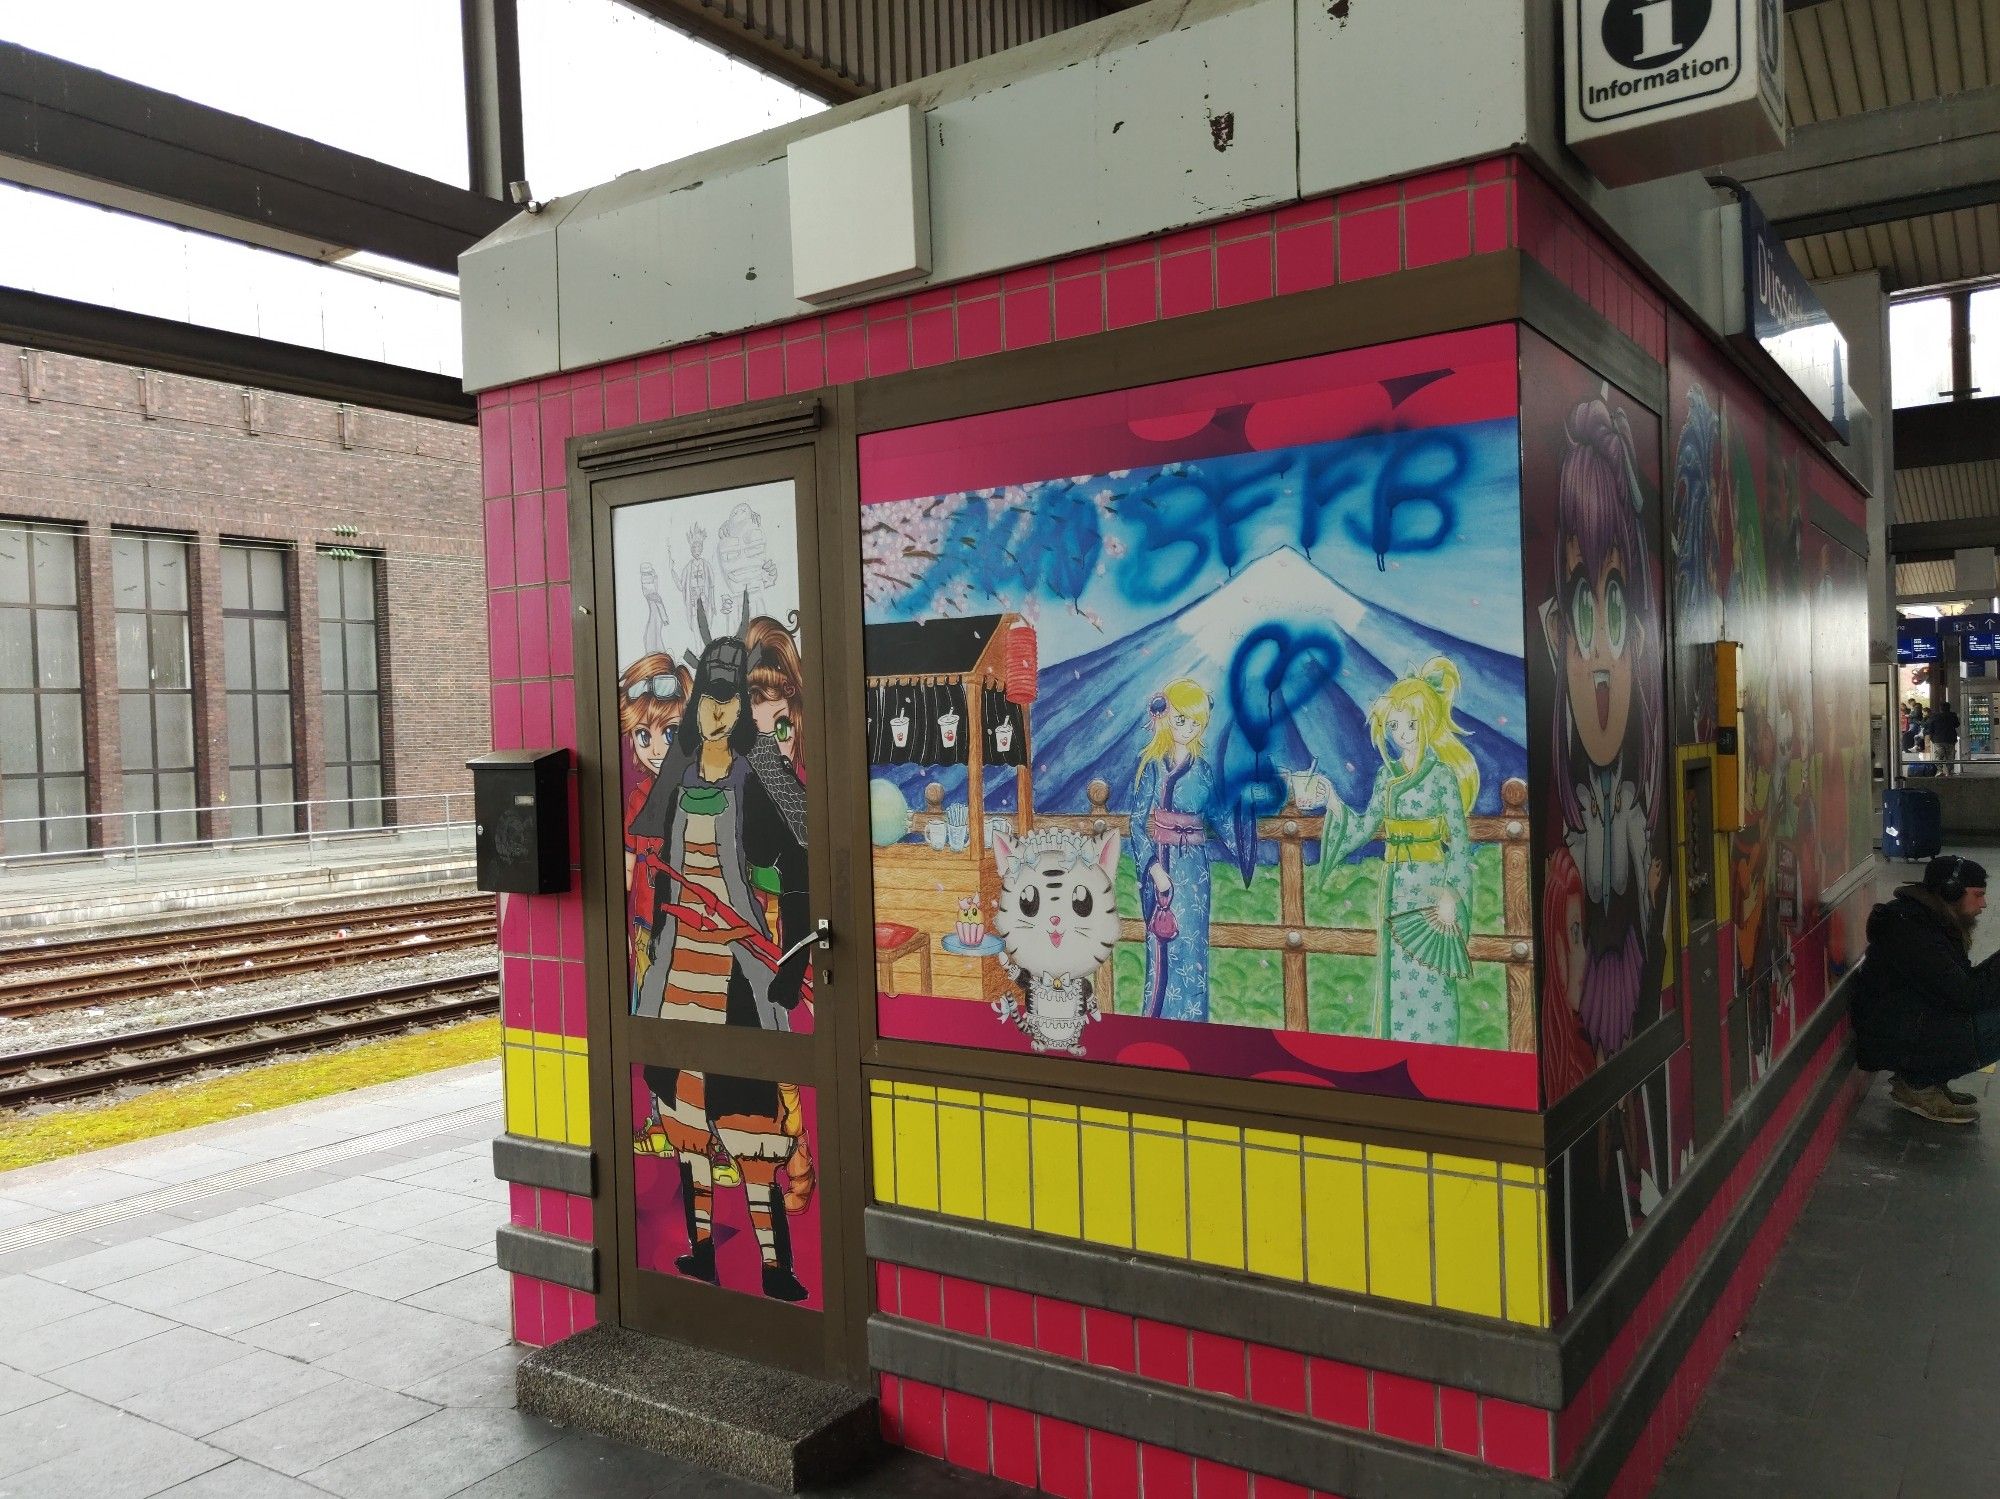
x,y
1196,725
711,699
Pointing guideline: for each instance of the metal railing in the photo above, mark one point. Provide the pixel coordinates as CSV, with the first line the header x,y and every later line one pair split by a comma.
x,y
413,821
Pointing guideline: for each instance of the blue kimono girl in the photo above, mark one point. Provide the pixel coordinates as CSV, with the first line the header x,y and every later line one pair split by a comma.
x,y
1170,807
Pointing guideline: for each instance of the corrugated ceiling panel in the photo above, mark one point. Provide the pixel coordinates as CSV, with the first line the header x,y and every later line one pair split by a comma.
x,y
1949,491
1913,578
1851,55
1927,251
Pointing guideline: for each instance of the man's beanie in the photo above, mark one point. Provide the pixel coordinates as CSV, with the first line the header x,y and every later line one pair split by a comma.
x,y
1948,869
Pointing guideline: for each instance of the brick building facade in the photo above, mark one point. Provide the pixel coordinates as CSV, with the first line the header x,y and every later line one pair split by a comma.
x,y
167,635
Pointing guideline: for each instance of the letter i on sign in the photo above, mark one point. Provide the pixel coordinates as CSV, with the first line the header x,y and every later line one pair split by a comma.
x,y
1656,29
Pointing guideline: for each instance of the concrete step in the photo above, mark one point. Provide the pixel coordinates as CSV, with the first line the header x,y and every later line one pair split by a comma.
x,y
770,1426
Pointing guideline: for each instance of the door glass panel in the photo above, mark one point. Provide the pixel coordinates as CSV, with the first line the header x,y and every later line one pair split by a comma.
x,y
759,1214
711,696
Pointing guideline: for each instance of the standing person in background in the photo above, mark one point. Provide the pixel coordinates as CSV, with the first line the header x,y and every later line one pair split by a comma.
x,y
1944,734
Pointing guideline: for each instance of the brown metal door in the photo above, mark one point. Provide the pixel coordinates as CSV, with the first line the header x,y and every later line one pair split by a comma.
x,y
731,1212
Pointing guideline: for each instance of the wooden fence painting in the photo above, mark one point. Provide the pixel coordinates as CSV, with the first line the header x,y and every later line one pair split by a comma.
x,y
1296,942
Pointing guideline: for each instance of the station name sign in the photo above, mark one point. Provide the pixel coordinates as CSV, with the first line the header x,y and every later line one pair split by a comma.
x,y
1655,87
1784,322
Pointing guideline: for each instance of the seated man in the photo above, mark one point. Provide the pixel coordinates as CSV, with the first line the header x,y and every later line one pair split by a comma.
x,y
1923,1009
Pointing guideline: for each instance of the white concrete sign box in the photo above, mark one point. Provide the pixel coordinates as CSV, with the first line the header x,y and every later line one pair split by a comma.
x,y
1655,87
861,205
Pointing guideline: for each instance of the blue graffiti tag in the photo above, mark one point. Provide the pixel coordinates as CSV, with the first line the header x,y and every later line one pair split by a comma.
x,y
1274,672
1422,470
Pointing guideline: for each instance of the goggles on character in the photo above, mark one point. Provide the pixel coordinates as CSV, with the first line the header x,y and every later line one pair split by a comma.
x,y
665,687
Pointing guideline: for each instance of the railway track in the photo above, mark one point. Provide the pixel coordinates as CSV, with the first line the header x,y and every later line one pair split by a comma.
x,y
94,971
162,1053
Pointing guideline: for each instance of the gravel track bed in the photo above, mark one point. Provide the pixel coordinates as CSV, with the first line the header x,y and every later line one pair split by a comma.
x,y
121,1017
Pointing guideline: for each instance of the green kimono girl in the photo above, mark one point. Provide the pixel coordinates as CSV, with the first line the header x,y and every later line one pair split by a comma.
x,y
1427,784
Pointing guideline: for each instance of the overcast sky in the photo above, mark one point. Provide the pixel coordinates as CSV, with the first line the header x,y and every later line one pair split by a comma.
x,y
604,91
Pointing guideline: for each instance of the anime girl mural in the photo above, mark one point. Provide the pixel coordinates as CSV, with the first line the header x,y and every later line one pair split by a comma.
x,y
1700,519
1170,811
652,693
1426,785
1603,637
729,813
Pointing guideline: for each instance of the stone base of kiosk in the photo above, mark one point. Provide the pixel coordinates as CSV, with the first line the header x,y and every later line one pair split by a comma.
x,y
784,1430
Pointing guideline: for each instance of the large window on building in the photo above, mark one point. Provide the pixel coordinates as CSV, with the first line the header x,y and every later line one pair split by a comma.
x,y
257,675
1920,368
351,686
41,691
150,592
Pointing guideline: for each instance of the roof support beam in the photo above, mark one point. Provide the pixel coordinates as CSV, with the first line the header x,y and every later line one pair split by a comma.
x,y
1941,540
44,322
89,135
1928,156
1948,432
491,30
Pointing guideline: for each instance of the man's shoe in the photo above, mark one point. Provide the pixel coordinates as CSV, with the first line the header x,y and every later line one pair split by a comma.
x,y
1930,1103
1963,1100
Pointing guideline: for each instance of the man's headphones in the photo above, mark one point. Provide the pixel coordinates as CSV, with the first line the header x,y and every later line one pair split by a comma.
x,y
1952,887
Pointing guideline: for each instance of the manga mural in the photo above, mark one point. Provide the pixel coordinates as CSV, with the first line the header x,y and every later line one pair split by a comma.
x,y
1203,704
710,701
1754,529
1595,580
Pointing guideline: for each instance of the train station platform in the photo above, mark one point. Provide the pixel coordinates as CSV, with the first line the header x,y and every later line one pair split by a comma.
x,y
119,885
305,1302
293,1305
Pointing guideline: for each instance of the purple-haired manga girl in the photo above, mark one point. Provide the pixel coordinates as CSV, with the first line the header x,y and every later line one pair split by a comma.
x,y
1606,649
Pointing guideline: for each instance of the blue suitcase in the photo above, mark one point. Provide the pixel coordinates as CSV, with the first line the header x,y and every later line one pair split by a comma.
x,y
1912,825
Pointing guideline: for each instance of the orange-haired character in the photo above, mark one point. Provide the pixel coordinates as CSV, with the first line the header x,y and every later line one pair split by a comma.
x,y
652,692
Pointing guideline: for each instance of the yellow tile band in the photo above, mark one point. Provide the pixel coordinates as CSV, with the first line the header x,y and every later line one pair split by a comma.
x,y
546,1080
1448,1231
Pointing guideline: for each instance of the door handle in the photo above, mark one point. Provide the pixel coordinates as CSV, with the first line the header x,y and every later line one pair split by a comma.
x,y
822,934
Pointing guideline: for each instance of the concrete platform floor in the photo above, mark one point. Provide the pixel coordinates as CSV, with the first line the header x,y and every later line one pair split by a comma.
x,y
1869,1367
293,1305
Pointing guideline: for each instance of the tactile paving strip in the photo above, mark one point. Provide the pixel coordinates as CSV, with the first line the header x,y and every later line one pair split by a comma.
x,y
179,1194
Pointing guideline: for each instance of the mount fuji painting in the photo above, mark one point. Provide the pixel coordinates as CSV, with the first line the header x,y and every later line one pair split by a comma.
x,y
1331,630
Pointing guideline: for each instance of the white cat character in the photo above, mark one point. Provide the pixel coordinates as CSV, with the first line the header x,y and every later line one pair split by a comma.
x,y
1057,918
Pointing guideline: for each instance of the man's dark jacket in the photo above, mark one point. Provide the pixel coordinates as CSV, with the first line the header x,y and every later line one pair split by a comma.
x,y
1917,991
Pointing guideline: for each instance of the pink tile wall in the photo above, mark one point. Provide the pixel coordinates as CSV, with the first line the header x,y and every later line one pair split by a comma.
x,y
1427,220
1547,228
1414,1411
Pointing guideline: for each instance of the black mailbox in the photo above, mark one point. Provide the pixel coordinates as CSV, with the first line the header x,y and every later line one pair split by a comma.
x,y
520,800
